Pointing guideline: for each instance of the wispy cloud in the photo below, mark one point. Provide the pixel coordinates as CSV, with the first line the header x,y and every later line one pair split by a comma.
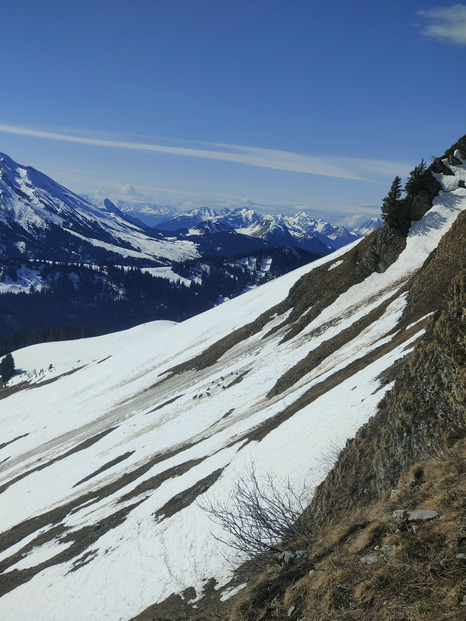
x,y
447,24
328,166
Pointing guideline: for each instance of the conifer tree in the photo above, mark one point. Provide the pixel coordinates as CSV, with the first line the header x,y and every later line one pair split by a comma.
x,y
7,367
395,210
416,178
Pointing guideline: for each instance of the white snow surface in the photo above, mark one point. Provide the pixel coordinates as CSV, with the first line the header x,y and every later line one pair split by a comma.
x,y
196,419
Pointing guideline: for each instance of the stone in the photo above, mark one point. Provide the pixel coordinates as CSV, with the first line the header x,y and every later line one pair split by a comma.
x,y
287,557
461,556
369,559
400,514
300,555
394,493
422,515
291,610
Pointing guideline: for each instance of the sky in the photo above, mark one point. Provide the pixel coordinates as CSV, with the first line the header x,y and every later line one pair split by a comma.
x,y
282,104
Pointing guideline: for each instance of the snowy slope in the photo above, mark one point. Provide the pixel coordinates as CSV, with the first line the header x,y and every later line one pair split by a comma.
x,y
103,455
37,212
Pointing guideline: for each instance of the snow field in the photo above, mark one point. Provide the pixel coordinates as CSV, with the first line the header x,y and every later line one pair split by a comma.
x,y
120,382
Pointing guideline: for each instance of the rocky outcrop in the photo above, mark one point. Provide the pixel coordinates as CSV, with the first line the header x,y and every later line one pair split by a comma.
x,y
423,413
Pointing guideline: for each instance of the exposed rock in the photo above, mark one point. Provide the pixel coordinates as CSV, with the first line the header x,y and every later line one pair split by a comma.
x,y
369,559
400,514
288,557
425,409
422,515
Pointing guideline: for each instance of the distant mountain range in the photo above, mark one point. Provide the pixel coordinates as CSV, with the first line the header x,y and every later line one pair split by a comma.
x,y
191,260
300,230
41,219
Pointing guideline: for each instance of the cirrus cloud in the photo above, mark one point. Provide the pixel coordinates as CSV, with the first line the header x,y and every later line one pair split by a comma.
x,y
357,169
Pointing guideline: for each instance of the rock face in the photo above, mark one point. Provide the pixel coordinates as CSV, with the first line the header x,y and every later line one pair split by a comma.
x,y
424,411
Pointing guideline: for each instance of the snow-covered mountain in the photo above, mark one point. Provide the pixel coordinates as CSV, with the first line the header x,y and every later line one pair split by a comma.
x,y
300,230
39,218
302,224
367,227
41,222
110,446
189,219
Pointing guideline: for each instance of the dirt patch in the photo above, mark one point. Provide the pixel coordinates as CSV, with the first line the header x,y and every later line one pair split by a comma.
x,y
88,535
238,379
154,482
85,537
7,391
162,405
260,432
188,496
81,540
80,447
14,440
106,466
327,348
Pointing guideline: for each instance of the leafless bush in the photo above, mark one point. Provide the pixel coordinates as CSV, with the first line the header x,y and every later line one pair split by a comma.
x,y
258,514
330,454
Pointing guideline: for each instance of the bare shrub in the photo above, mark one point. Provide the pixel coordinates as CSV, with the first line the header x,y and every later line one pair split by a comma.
x,y
330,454
259,514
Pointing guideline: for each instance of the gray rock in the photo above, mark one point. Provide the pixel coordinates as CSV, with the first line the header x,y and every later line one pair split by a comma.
x,y
461,556
286,557
291,610
400,514
394,493
369,559
422,515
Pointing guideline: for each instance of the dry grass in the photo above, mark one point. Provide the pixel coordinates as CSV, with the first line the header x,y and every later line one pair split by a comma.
x,y
421,579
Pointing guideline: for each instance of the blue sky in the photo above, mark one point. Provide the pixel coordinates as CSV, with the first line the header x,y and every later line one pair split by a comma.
x,y
292,103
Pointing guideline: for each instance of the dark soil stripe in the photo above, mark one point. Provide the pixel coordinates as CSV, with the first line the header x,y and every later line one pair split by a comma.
x,y
11,441
80,447
106,466
188,496
260,432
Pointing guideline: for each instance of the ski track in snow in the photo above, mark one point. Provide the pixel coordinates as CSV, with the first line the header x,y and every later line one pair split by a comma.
x,y
119,381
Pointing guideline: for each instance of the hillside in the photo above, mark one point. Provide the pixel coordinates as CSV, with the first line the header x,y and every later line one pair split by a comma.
x,y
41,219
388,521
112,446
71,265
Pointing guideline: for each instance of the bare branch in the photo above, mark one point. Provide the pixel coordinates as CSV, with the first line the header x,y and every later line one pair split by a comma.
x,y
259,514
